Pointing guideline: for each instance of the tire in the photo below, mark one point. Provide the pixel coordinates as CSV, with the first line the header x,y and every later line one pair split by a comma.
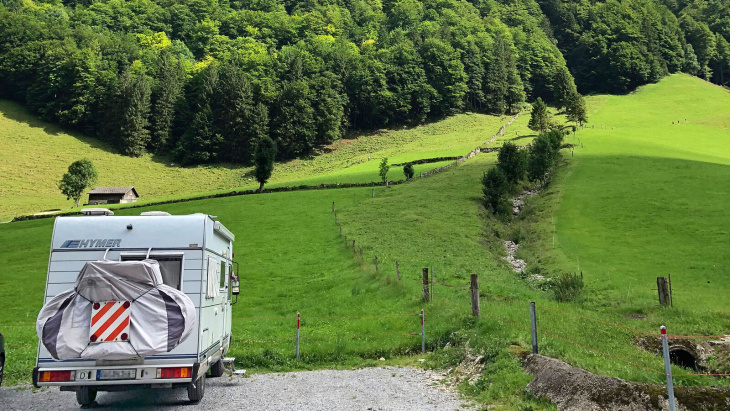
x,y
196,390
216,370
85,396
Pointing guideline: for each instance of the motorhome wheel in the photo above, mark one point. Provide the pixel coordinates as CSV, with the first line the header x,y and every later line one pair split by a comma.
x,y
196,389
216,370
85,396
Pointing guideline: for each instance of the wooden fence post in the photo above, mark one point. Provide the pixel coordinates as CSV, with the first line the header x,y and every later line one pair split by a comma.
x,y
373,193
475,296
333,206
426,296
353,246
663,289
397,271
376,263
360,253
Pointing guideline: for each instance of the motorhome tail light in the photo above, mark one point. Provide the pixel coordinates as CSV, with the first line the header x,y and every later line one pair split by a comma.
x,y
56,376
174,372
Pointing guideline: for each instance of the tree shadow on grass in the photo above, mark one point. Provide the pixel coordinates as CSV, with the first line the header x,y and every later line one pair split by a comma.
x,y
526,136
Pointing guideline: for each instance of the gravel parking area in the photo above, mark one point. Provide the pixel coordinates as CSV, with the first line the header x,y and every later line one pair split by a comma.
x,y
387,388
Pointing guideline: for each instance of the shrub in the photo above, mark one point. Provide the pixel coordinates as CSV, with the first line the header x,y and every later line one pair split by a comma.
x,y
568,287
540,159
408,171
512,162
494,188
556,139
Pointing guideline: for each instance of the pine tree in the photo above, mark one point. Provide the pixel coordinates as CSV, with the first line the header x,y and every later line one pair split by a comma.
x,y
563,87
503,86
129,113
264,157
165,96
200,143
234,109
539,117
576,109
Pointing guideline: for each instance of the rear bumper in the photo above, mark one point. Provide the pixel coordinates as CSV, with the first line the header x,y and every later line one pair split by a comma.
x,y
145,375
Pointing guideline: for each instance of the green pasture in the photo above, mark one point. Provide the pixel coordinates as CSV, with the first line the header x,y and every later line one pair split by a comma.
x,y
648,199
638,199
36,154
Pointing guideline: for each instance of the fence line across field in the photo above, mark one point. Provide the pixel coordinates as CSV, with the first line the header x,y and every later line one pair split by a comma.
x,y
298,337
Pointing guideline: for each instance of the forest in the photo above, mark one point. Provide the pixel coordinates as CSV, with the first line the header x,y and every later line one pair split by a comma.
x,y
202,81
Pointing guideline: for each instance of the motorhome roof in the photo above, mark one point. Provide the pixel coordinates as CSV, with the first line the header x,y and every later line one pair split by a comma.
x,y
149,231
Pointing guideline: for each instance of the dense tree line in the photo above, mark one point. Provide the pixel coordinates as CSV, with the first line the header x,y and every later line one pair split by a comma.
x,y
206,80
617,45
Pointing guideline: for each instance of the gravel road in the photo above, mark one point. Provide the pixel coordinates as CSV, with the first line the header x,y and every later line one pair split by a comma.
x,y
387,388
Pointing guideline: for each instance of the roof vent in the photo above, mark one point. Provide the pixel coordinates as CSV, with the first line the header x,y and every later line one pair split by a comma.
x,y
96,211
155,213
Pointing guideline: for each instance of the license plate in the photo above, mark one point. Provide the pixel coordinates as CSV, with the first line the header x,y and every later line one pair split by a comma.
x,y
116,374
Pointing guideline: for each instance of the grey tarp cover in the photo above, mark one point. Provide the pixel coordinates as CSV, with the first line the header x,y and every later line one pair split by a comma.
x,y
161,317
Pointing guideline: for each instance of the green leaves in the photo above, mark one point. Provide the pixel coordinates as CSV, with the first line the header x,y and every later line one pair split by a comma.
x,y
81,174
383,170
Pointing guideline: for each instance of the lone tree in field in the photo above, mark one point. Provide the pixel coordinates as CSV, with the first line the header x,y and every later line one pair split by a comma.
x,y
576,109
264,160
81,174
539,118
408,171
384,167
512,162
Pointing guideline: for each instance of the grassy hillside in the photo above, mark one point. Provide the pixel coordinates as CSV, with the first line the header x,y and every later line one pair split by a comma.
x,y
647,198
619,209
36,154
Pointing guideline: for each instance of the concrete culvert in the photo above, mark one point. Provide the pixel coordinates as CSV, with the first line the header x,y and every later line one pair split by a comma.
x,y
680,355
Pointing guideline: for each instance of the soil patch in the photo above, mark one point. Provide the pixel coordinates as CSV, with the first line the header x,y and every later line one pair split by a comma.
x,y
574,389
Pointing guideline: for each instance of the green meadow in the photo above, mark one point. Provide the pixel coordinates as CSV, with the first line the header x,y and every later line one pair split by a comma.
x,y
36,154
637,199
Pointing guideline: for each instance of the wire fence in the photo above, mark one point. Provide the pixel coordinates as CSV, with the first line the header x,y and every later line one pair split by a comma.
x,y
297,328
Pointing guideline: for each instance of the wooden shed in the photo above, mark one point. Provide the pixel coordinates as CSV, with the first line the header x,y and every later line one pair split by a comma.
x,y
112,195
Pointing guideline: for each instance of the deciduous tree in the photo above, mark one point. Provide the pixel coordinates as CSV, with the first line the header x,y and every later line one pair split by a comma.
x,y
80,175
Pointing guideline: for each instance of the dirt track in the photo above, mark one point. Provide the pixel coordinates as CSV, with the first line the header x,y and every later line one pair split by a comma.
x,y
365,389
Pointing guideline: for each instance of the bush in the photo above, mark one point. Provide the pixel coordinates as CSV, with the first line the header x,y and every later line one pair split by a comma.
x,y
556,139
540,159
494,188
512,162
408,171
568,287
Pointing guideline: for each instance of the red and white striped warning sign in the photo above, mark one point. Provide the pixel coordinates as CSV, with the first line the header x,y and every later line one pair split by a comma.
x,y
109,321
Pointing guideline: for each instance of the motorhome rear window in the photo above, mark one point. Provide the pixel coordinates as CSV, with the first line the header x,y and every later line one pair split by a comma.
x,y
170,267
223,274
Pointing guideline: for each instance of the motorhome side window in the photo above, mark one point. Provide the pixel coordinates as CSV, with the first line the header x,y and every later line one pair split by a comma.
x,y
170,267
223,274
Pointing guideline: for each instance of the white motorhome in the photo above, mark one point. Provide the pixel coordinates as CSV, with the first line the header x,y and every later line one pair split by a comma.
x,y
195,255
